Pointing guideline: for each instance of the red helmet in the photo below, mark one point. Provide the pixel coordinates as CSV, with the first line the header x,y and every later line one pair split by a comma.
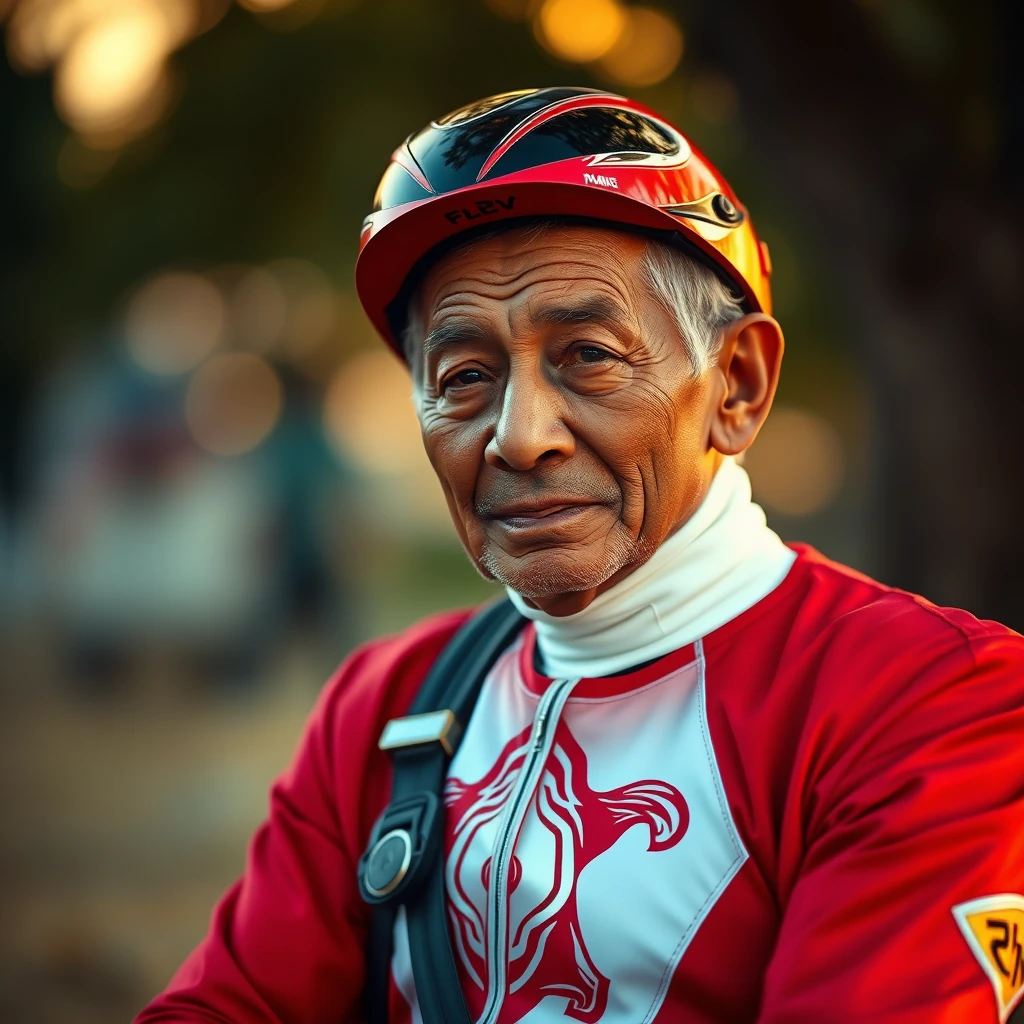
x,y
564,153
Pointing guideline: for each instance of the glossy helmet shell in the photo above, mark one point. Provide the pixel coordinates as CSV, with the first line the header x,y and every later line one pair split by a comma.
x,y
568,153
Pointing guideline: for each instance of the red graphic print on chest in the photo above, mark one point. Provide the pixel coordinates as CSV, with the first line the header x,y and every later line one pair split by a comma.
x,y
569,825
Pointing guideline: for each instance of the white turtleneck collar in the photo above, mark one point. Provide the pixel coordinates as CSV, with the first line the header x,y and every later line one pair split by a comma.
x,y
722,561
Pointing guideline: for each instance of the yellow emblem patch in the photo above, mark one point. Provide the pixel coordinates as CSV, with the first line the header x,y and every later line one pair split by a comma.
x,y
994,929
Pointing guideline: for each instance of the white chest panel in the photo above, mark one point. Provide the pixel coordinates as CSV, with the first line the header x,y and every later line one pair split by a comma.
x,y
625,844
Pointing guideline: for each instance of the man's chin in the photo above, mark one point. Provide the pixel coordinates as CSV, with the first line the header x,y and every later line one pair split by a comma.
x,y
544,575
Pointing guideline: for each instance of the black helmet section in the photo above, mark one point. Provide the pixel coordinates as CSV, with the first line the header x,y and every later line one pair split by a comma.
x,y
452,152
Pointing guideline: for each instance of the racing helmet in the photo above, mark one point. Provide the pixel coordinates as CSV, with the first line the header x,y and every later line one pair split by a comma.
x,y
565,153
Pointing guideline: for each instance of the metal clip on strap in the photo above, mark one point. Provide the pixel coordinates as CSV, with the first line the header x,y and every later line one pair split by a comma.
x,y
421,730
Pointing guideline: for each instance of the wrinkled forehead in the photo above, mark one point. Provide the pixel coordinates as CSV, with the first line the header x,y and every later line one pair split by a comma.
x,y
520,264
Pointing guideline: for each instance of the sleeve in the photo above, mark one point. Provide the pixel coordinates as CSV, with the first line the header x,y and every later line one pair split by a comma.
x,y
286,943
904,904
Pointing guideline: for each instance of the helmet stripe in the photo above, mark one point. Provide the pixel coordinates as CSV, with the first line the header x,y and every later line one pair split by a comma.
x,y
600,99
404,158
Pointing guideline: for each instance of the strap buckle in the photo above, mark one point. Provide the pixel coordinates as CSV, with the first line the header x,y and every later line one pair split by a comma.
x,y
401,849
417,730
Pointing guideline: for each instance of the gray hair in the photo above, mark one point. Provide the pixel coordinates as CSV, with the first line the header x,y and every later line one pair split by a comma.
x,y
699,301
696,298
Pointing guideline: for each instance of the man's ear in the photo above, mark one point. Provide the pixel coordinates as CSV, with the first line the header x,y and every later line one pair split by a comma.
x,y
749,361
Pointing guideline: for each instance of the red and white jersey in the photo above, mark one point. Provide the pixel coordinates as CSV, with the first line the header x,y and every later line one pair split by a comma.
x,y
589,835
813,813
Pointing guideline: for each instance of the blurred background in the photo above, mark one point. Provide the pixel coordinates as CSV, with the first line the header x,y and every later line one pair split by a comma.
x,y
211,485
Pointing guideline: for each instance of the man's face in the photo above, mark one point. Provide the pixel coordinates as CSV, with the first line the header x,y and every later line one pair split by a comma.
x,y
559,409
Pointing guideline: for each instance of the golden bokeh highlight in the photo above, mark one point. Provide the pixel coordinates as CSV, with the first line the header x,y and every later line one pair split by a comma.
x,y
370,420
110,60
110,68
647,52
313,324
369,415
40,32
579,30
287,308
258,310
109,55
233,402
796,463
173,321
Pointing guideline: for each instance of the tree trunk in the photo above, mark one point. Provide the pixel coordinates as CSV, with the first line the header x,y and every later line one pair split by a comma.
x,y
924,232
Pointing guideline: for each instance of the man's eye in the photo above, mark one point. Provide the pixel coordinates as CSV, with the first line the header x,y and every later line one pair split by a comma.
x,y
463,378
592,354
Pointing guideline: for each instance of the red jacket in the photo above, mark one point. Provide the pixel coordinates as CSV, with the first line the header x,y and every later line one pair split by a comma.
x,y
816,813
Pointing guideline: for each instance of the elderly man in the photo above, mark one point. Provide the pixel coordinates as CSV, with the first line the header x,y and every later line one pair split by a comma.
x,y
688,773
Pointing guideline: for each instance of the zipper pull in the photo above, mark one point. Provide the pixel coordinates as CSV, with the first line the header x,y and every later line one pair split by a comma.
x,y
538,731
541,722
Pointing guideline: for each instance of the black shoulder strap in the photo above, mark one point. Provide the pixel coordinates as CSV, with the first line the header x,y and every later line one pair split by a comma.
x,y
403,865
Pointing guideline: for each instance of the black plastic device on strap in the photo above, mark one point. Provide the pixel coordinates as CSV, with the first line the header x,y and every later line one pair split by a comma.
x,y
402,865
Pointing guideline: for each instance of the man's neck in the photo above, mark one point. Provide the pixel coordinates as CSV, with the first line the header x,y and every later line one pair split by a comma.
x,y
723,560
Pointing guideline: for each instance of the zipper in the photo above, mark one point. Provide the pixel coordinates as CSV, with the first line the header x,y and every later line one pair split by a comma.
x,y
549,710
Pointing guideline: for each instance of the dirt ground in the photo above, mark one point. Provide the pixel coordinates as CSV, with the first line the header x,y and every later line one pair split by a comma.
x,y
123,820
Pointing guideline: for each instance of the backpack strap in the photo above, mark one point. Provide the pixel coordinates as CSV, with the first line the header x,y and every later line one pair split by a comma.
x,y
403,865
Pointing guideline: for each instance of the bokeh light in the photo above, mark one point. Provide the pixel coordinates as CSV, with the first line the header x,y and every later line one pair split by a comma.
x,y
370,420
107,70
796,463
648,50
39,32
313,314
233,402
579,30
287,308
258,310
369,416
173,322
111,79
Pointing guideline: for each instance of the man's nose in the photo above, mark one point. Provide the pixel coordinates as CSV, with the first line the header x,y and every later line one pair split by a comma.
x,y
530,425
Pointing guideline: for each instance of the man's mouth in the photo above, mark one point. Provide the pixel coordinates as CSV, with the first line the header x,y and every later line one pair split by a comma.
x,y
538,519
536,510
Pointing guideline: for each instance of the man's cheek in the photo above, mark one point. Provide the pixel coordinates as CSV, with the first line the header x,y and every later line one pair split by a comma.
x,y
452,463
456,460
635,482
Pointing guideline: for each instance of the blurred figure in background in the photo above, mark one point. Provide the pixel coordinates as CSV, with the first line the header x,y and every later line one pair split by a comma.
x,y
141,539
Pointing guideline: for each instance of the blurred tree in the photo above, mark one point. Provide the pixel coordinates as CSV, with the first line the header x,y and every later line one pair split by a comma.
x,y
896,130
